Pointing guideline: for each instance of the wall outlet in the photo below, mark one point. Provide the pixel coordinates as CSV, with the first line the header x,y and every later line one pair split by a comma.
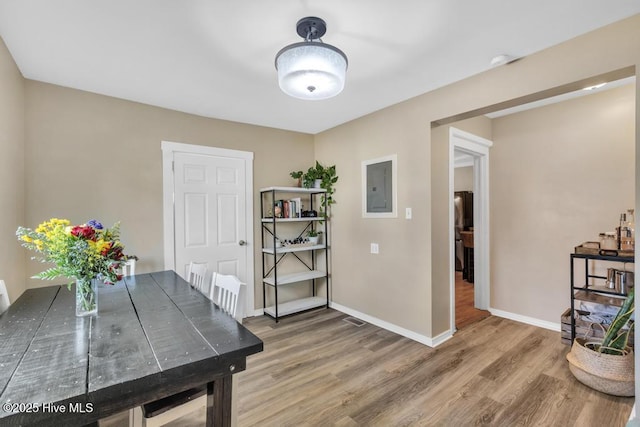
x,y
375,249
408,213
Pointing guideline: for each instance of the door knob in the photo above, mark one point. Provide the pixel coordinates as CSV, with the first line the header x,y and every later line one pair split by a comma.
x,y
242,243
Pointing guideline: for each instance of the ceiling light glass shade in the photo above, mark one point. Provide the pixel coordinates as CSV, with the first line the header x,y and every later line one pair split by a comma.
x,y
311,70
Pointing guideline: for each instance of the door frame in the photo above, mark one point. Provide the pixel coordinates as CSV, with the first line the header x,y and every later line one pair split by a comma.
x,y
478,148
169,149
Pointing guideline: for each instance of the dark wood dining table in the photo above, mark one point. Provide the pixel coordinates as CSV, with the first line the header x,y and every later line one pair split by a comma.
x,y
153,336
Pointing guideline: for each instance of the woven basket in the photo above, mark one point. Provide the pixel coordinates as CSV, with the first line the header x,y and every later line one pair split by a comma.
x,y
608,373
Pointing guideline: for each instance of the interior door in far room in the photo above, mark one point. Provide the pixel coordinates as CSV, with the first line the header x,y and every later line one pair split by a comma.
x,y
209,207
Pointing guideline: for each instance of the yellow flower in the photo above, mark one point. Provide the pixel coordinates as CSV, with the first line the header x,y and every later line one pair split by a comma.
x,y
100,245
27,239
48,226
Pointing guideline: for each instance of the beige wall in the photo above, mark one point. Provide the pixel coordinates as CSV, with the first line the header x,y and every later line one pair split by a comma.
x,y
387,285
463,178
407,284
559,175
12,257
92,156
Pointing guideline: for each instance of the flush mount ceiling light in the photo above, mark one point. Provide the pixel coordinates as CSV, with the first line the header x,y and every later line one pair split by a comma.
x,y
311,69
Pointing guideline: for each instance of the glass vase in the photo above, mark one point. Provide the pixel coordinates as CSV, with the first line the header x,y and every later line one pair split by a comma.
x,y
86,297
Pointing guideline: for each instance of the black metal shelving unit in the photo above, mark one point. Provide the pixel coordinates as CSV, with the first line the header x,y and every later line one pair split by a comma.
x,y
318,255
593,293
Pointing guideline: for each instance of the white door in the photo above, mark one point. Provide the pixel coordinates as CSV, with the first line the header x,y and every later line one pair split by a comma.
x,y
211,213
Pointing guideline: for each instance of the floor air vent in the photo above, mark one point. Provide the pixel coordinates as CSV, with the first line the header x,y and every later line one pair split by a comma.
x,y
354,321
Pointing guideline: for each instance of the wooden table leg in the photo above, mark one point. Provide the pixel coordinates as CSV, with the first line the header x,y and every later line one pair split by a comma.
x,y
219,402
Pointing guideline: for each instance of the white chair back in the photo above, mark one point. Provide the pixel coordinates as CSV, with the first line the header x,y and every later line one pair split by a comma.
x,y
225,292
4,297
129,268
196,275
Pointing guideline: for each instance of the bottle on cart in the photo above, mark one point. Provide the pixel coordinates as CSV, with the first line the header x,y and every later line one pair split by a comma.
x,y
620,230
627,233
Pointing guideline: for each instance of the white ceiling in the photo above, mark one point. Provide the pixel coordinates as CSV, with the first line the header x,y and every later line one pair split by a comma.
x,y
215,58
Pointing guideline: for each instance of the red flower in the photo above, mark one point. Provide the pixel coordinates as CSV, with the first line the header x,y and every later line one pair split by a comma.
x,y
83,231
116,253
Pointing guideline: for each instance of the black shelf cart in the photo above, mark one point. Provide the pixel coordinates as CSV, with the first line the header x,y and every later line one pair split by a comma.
x,y
594,293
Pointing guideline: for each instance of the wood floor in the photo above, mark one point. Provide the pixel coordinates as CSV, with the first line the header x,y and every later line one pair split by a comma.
x,y
466,313
319,370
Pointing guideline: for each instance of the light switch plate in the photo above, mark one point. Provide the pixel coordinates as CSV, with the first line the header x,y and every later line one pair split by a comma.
x,y
375,249
408,213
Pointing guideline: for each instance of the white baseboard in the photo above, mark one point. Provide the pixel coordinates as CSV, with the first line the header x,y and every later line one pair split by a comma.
x,y
438,339
422,339
526,319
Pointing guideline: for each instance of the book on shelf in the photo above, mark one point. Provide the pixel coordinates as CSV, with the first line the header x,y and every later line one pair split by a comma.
x,y
291,208
297,207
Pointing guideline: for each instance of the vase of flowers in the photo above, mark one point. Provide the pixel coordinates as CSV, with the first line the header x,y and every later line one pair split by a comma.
x,y
86,253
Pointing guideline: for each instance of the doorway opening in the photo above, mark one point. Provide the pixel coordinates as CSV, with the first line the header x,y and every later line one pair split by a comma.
x,y
469,234
465,311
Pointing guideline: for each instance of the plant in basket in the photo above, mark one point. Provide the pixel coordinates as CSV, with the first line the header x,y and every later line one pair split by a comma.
x,y
607,365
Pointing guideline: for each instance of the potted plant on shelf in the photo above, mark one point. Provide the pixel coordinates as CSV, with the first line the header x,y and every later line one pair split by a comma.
x,y
607,365
314,236
312,178
319,176
297,175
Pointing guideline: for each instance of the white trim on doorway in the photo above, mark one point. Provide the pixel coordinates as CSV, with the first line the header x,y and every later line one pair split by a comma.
x,y
478,149
168,150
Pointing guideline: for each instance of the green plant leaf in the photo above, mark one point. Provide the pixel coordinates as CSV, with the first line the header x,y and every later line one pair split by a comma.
x,y
49,274
612,339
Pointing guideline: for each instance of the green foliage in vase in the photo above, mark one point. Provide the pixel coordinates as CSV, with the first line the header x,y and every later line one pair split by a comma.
x,y
296,174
